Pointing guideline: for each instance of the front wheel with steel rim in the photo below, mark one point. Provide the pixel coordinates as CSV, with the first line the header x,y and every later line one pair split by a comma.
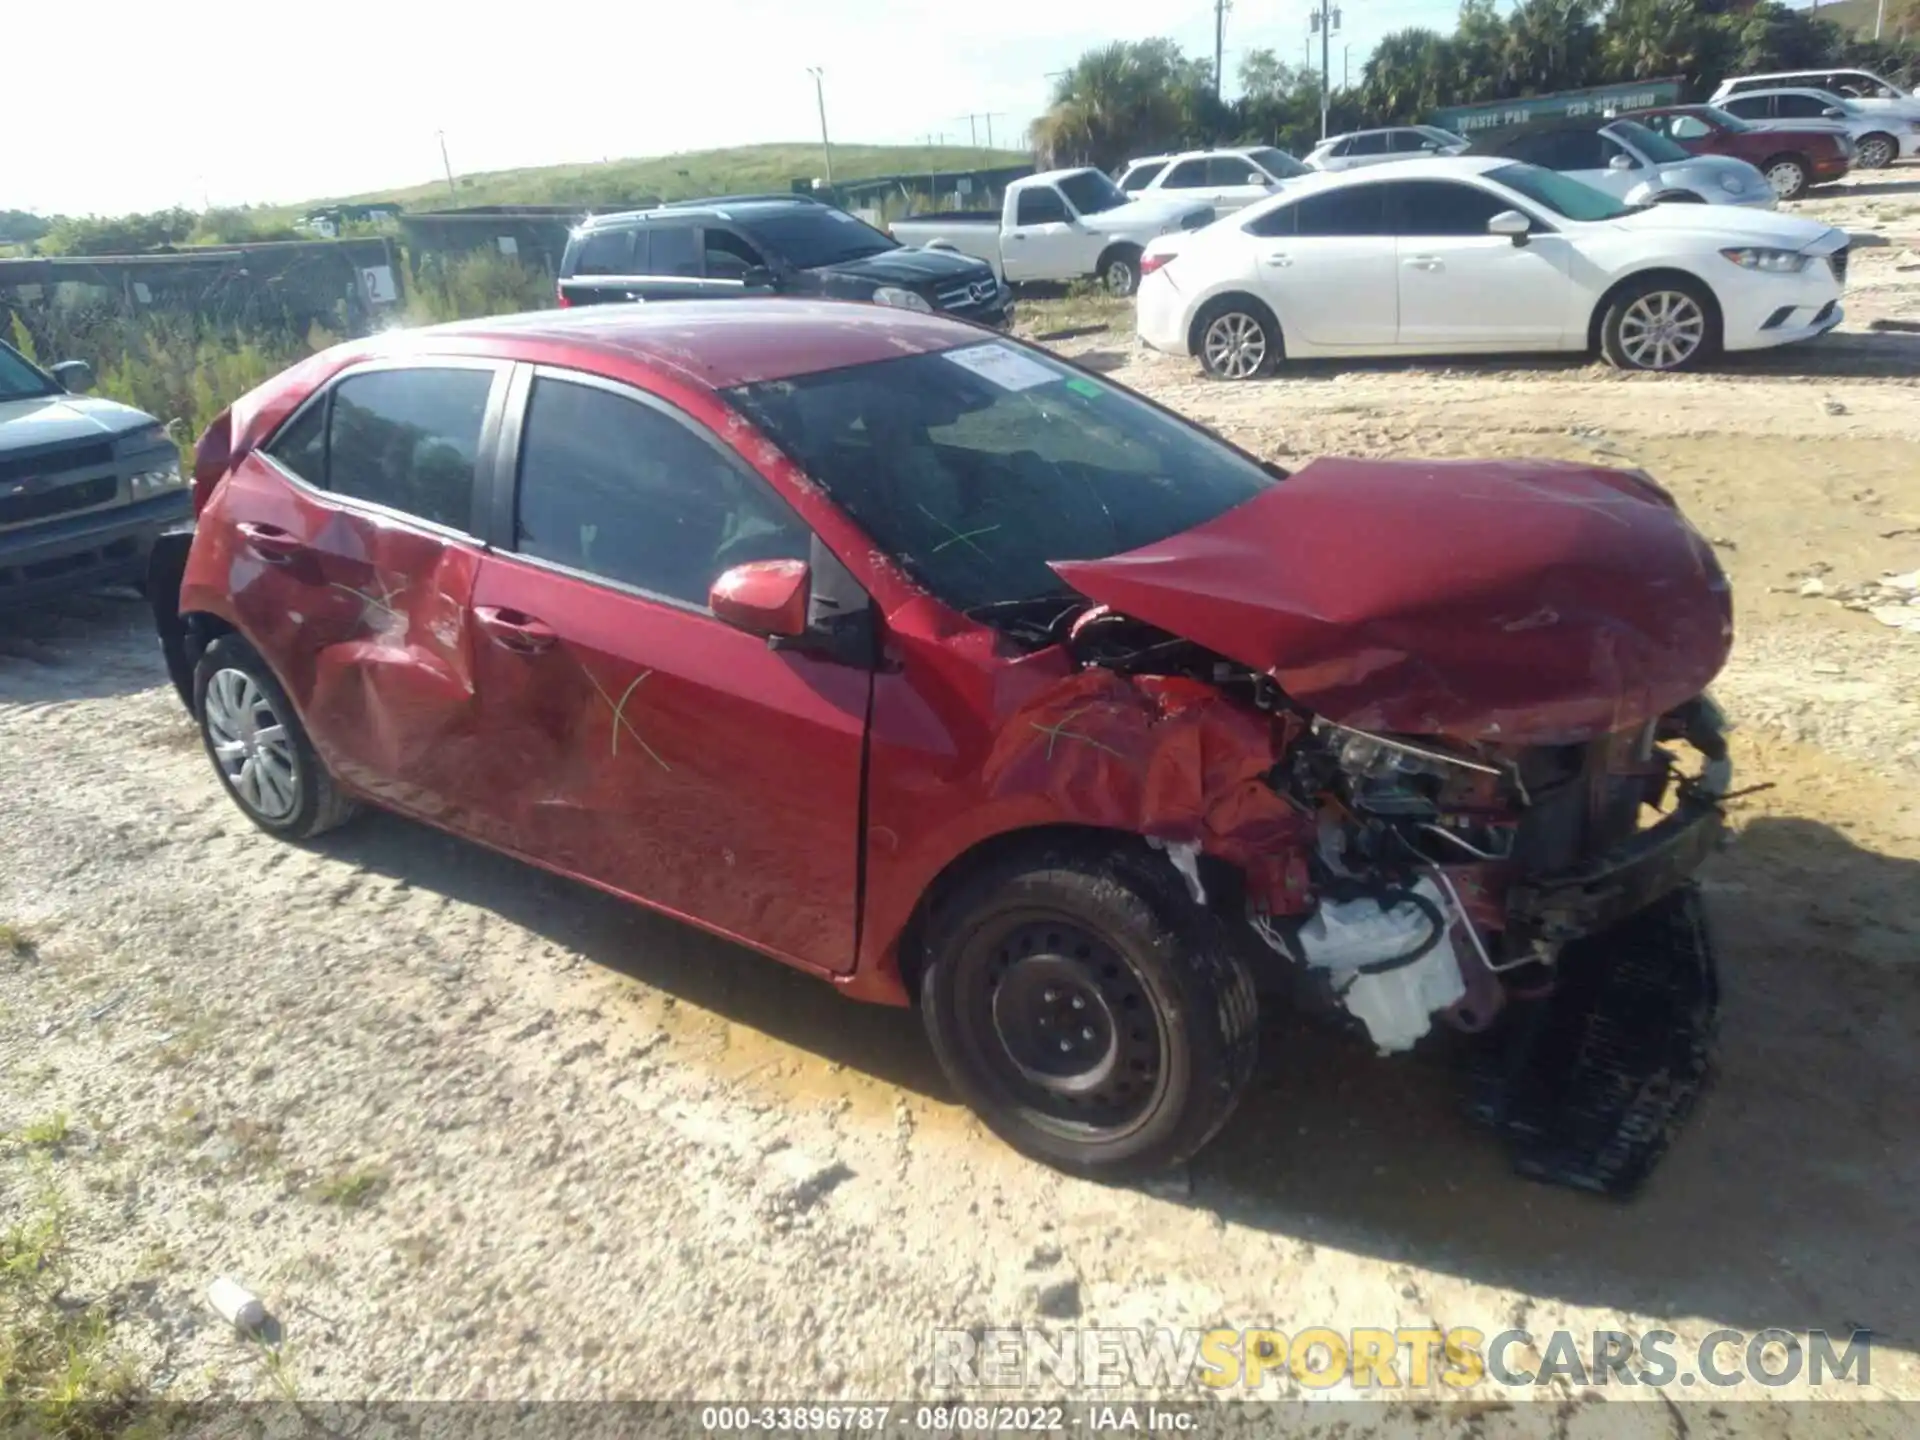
x,y
1787,176
1660,325
258,747
1875,152
1087,1009
1237,341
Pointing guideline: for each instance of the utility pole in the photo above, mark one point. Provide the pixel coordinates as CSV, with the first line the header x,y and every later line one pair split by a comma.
x,y
820,98
1220,8
1879,18
1346,65
1326,20
447,165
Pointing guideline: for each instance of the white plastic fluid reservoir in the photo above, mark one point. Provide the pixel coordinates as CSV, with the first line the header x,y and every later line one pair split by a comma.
x,y
1396,1006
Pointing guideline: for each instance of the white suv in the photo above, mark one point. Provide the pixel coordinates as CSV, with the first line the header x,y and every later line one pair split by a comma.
x,y
1862,87
1376,147
1225,179
1879,136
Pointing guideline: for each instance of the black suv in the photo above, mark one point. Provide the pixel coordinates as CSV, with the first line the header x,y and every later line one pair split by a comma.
x,y
770,245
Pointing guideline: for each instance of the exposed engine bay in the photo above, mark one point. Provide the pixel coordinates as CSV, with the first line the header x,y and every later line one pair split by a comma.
x,y
1454,881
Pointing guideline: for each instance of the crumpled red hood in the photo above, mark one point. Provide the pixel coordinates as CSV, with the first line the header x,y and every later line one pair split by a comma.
x,y
1521,602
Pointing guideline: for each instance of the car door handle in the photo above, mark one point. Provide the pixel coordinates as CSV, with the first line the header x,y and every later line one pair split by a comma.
x,y
270,542
1279,259
515,631
1424,262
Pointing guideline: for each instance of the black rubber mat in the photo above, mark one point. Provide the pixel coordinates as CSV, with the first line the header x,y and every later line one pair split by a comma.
x,y
1591,1082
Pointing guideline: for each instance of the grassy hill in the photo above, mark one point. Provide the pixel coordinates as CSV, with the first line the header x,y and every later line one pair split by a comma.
x,y
694,173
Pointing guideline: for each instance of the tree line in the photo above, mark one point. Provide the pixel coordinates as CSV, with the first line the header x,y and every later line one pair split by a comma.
x,y
1143,97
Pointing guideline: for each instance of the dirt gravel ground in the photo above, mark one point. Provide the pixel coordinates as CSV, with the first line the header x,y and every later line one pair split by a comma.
x,y
473,1131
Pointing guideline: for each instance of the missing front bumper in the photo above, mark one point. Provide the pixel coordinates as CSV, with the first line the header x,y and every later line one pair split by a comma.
x,y
1588,1084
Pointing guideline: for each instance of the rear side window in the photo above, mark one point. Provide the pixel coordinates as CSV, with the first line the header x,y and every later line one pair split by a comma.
x,y
1141,176
619,489
1374,144
605,252
1801,106
409,439
1747,107
1223,170
728,256
672,250
1354,210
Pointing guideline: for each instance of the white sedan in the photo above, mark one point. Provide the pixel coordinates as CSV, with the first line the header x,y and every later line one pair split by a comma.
x,y
1479,254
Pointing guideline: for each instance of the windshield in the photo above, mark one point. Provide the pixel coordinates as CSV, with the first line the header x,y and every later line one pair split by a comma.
x,y
1715,115
810,236
1656,147
18,379
1559,193
975,467
1090,192
1277,163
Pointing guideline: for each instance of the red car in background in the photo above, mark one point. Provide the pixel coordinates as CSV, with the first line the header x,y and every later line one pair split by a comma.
x,y
1794,158
932,665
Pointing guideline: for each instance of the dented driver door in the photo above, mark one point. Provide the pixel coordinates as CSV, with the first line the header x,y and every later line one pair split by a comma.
x,y
350,558
638,741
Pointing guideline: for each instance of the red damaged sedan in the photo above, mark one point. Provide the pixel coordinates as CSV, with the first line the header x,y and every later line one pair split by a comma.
x,y
946,671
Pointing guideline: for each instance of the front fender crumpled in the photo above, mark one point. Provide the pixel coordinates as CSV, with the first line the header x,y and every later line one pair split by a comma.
x,y
1168,758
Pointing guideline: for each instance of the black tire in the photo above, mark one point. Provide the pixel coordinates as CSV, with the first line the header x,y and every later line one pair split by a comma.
x,y
1100,945
1876,151
1120,270
1790,176
294,796
1237,359
1624,327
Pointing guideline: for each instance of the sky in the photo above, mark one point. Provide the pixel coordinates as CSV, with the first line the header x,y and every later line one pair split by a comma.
x,y
226,103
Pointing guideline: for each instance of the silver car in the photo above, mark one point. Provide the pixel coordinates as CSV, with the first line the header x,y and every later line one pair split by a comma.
x,y
1374,147
1633,164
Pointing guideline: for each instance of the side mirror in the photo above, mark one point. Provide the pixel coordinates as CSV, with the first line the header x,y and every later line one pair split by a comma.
x,y
764,597
1833,112
75,376
757,277
1512,224
1620,162
1254,177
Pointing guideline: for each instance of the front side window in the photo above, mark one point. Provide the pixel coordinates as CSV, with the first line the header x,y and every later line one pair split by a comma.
x,y
810,236
19,380
1041,205
976,467
728,257
408,439
1408,142
1351,210
1187,175
1442,207
1803,107
1373,144
620,489
1139,177
1747,107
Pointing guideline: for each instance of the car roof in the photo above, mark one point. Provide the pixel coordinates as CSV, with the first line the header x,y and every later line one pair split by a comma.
x,y
713,343
738,207
1440,167
1805,70
1788,90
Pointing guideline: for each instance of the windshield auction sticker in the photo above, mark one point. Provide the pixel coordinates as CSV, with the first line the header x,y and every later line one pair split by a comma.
x,y
1005,367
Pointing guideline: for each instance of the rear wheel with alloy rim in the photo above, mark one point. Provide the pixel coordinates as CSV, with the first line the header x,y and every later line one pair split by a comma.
x,y
258,747
1659,325
1876,152
1094,1017
1237,341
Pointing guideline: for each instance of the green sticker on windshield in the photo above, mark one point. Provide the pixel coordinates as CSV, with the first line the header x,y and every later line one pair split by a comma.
x,y
1082,386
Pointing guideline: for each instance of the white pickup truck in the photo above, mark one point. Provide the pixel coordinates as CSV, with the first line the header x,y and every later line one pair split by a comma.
x,y
1060,225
